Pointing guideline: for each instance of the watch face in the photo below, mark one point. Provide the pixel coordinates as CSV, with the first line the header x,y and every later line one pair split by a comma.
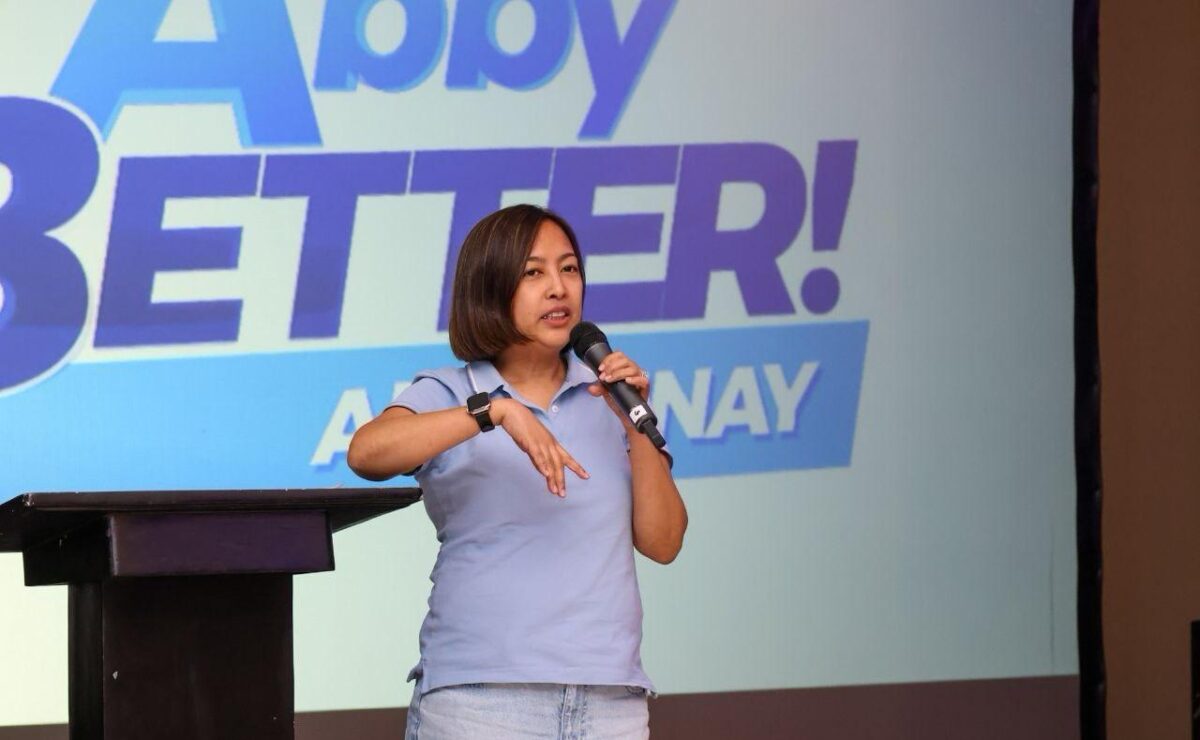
x,y
480,402
479,405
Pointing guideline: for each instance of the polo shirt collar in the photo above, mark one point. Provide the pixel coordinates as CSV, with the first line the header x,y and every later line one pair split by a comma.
x,y
489,380
578,373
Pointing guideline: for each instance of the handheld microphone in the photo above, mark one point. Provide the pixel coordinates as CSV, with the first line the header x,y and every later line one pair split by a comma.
x,y
591,346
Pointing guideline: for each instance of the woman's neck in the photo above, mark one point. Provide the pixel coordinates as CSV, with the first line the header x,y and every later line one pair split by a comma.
x,y
532,371
528,365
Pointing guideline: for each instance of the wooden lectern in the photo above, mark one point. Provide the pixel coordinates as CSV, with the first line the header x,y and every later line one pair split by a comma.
x,y
180,606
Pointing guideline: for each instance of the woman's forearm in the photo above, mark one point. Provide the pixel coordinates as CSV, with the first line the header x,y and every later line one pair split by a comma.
x,y
399,441
659,516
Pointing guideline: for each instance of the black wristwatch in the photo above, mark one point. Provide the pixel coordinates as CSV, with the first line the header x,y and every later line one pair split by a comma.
x,y
478,406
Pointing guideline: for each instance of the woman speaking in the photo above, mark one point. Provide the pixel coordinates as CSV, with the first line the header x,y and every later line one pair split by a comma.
x,y
540,490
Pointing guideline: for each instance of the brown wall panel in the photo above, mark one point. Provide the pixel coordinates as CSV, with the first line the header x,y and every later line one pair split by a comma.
x,y
1149,284
1039,708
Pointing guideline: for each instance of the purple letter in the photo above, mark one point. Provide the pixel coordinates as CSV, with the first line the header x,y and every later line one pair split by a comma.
x,y
477,178
52,159
577,174
332,183
139,247
698,248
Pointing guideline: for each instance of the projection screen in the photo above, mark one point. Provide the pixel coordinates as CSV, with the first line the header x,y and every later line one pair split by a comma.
x,y
837,233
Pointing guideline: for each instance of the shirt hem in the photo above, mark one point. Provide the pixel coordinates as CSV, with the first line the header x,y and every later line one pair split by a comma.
x,y
583,676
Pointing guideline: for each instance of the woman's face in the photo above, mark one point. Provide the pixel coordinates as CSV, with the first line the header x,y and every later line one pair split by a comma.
x,y
549,295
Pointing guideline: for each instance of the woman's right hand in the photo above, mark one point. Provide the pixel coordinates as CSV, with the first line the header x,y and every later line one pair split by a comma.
x,y
544,451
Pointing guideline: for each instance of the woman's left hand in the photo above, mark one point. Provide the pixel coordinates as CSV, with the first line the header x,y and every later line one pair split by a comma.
x,y
618,366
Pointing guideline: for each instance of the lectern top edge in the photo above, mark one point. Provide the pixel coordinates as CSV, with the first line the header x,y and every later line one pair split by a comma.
x,y
216,499
33,517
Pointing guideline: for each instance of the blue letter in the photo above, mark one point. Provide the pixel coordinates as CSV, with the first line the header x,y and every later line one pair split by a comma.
x,y
53,161
139,247
477,178
345,56
332,183
699,249
253,65
616,65
577,174
476,56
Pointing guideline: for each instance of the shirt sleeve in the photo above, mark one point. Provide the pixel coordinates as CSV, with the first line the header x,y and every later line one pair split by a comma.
x,y
426,394
665,451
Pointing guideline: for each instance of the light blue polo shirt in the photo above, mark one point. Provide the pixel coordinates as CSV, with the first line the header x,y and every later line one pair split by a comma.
x,y
529,587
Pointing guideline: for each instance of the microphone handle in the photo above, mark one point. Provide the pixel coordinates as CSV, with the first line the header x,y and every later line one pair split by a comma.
x,y
627,397
651,431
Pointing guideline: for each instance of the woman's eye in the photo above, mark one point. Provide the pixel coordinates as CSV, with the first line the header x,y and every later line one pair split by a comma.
x,y
532,272
571,268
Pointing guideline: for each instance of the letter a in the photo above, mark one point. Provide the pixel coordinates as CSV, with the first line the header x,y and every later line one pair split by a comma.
x,y
253,65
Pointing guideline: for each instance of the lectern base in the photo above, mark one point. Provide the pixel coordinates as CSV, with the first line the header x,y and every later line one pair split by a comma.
x,y
191,658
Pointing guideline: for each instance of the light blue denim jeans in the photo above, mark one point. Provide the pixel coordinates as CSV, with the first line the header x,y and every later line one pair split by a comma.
x,y
506,711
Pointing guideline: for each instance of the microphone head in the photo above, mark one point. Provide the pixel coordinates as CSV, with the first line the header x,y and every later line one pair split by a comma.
x,y
584,336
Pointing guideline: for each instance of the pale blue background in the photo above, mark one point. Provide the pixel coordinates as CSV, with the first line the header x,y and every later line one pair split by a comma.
x,y
944,550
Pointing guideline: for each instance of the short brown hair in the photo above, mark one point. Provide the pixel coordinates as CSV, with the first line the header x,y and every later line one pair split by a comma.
x,y
490,264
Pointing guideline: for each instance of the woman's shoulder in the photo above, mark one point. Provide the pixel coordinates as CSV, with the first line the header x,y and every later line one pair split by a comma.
x,y
452,378
444,374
